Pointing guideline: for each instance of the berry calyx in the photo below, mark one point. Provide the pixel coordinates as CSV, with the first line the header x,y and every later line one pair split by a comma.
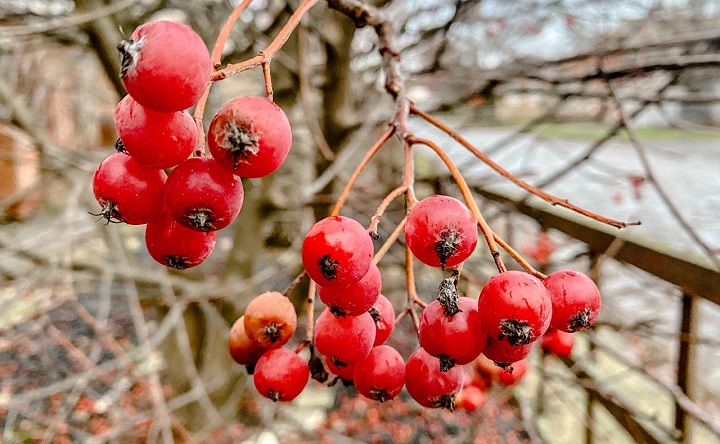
x,y
383,314
381,375
345,371
165,65
355,299
514,307
337,252
427,385
244,350
441,231
270,319
127,191
575,300
202,195
250,136
175,246
347,339
281,375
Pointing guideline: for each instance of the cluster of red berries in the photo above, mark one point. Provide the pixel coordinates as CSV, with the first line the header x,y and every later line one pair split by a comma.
x,y
513,311
165,69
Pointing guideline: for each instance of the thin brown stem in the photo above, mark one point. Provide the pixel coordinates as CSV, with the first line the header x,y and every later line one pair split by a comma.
x,y
420,302
310,326
268,80
411,290
294,283
390,241
375,220
519,259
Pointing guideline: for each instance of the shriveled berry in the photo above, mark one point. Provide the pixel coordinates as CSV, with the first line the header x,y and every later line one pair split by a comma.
x,y
513,375
515,307
503,354
127,191
175,246
250,136
337,251
347,339
202,195
244,350
380,375
575,300
281,375
557,342
165,65
155,139
270,319
441,231
456,339
345,371
383,314
356,298
427,385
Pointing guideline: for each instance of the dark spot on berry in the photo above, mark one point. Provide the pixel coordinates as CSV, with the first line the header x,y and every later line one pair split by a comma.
x,y
201,219
448,295
446,246
517,332
380,395
120,147
273,395
178,263
507,366
239,143
271,332
130,51
327,267
444,402
446,363
109,212
250,368
337,311
338,363
375,313
579,322
317,369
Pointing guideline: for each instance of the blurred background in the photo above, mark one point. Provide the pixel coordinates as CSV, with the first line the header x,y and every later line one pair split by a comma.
x,y
613,104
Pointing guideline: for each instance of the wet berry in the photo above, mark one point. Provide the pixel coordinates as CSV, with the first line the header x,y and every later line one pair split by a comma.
x,y
347,339
356,298
175,246
381,375
575,300
270,319
281,375
427,385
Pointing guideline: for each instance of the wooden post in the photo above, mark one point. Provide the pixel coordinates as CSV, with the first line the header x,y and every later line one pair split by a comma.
x,y
686,362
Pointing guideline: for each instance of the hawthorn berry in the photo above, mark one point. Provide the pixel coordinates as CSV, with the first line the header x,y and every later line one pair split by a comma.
x,y
557,342
337,251
175,246
345,371
355,299
155,139
503,354
244,350
456,339
127,191
427,385
441,231
514,307
344,339
250,136
270,319
280,374
470,398
575,300
381,374
513,375
165,66
202,195
383,314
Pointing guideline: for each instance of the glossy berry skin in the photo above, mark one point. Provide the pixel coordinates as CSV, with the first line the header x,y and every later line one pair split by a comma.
x,y
337,252
345,371
175,246
381,375
575,300
515,307
155,139
127,191
383,314
202,195
250,136
511,376
165,66
347,339
270,319
558,343
503,354
457,339
243,350
441,231
427,385
355,299
281,375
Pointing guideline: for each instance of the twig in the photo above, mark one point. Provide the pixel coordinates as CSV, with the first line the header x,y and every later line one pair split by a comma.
x,y
390,241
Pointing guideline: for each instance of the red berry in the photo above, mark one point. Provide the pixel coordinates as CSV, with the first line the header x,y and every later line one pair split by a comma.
x,y
575,300
355,299
456,339
165,66
337,251
515,307
383,314
558,343
503,354
512,375
470,398
175,246
250,136
244,350
202,195
127,191
381,375
270,319
428,385
155,139
281,375
345,371
347,339
441,231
